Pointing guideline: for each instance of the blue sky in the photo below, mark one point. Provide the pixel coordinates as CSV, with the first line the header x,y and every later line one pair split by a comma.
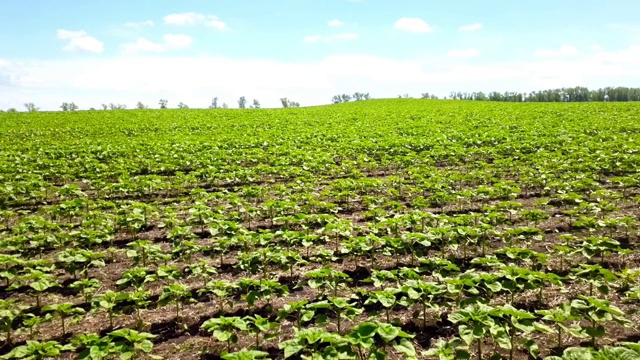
x,y
94,52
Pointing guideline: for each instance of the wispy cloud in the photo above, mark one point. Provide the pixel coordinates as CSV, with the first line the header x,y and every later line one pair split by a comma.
x,y
170,42
464,53
191,18
335,23
414,25
471,27
139,24
80,41
327,38
565,50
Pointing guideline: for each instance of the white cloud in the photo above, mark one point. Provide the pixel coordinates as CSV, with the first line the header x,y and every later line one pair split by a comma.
x,y
80,40
312,38
184,19
565,50
412,25
170,42
128,79
191,18
596,48
464,53
472,27
335,23
139,24
327,38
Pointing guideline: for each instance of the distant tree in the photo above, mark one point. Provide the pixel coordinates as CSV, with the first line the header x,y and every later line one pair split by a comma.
x,y
92,109
345,98
69,106
242,102
214,103
141,106
113,106
256,104
31,107
405,96
285,102
358,96
336,99
163,103
104,107
225,106
12,110
1,111
294,104
182,105
425,96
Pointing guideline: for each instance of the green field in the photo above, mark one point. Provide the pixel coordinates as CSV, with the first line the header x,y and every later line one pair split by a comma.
x,y
395,229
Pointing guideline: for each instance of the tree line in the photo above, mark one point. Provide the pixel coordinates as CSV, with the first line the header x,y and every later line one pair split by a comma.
x,y
573,94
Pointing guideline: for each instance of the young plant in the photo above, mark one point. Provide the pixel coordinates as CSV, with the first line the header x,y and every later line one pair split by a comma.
x,y
93,347
366,336
425,294
253,290
340,307
317,343
225,329
177,294
327,280
86,287
597,312
10,311
558,317
387,298
475,323
38,281
65,311
140,301
258,325
245,354
203,270
78,261
299,310
512,324
35,350
595,276
135,278
222,290
452,349
129,344
110,301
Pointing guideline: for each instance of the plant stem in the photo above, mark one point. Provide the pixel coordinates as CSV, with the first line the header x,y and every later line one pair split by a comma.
x,y
424,315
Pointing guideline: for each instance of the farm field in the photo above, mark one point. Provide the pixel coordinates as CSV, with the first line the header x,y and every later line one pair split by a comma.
x,y
398,229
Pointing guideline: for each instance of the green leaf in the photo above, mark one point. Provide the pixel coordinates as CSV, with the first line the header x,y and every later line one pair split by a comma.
x,y
532,347
145,346
366,329
543,328
466,334
604,289
501,336
222,335
405,347
597,331
292,348
387,332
